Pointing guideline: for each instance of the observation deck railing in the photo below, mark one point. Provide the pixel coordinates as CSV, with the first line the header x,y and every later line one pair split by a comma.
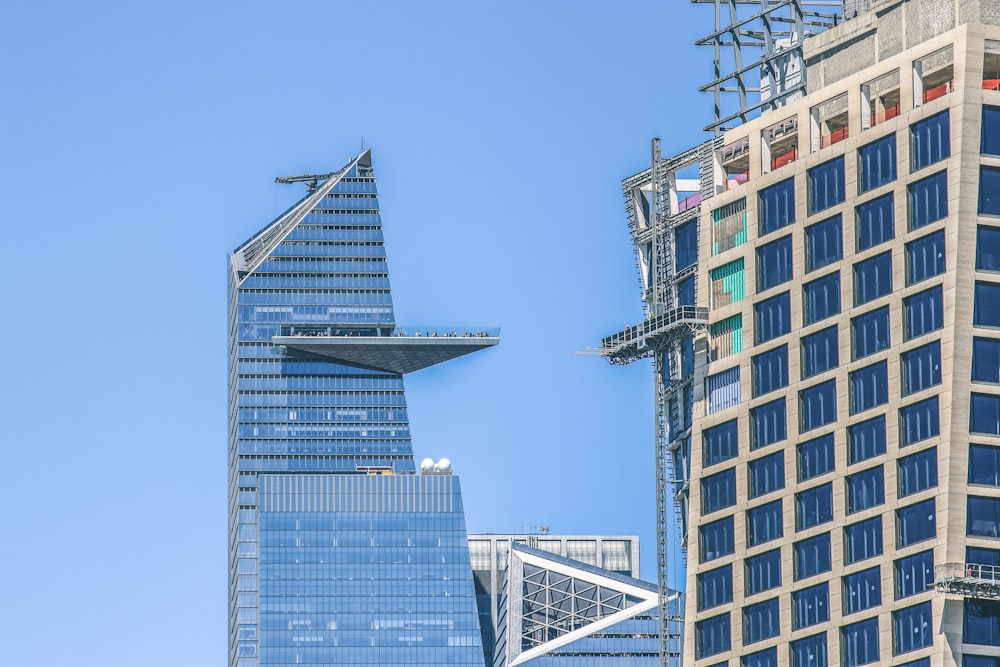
x,y
971,580
324,331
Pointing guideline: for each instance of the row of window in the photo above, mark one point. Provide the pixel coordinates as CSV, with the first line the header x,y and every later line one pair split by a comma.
x,y
865,439
914,523
817,406
912,575
924,258
865,489
911,630
869,386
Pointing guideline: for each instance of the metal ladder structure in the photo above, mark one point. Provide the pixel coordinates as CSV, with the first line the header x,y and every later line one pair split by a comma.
x,y
669,325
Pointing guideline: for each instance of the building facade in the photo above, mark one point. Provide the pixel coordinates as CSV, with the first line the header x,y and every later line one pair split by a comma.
x,y
839,478
555,611
489,554
340,552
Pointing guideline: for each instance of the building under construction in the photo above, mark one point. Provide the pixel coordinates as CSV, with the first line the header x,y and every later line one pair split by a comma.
x,y
827,380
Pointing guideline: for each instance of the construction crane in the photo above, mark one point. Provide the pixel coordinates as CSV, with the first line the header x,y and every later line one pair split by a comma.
x,y
311,180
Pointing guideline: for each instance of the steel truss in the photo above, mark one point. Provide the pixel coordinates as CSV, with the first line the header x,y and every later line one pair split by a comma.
x,y
758,50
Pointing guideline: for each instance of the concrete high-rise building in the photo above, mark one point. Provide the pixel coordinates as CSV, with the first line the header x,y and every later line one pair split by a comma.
x,y
340,553
823,291
490,552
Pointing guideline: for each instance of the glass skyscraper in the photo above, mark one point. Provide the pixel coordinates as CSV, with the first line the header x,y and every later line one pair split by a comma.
x,y
340,552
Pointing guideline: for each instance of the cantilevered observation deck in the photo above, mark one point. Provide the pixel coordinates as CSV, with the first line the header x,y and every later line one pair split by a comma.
x,y
393,350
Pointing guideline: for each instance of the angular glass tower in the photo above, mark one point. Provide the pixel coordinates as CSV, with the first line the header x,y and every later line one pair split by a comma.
x,y
340,553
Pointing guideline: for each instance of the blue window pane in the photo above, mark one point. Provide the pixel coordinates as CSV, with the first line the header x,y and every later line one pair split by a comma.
x,y
970,661
919,421
876,222
877,163
870,332
859,643
685,292
764,523
815,457
769,424
810,606
823,243
817,406
767,474
983,556
929,141
774,263
914,574
712,635
766,658
928,199
982,622
772,318
686,238
715,587
984,465
820,352
866,440
716,539
865,489
826,185
721,442
869,387
777,206
921,367
985,414
989,190
814,506
822,298
918,472
763,572
718,491
923,312
810,651
985,310
911,628
770,370
761,621
925,257
812,556
922,662
872,278
863,540
990,144
988,248
862,590
915,523
983,517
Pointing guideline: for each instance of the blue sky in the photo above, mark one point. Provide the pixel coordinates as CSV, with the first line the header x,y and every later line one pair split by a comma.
x,y
139,144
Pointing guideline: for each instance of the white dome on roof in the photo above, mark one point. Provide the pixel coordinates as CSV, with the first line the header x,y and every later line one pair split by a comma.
x,y
427,465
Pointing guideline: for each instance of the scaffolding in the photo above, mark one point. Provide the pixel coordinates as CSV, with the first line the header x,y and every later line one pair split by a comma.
x,y
758,60
969,580
658,202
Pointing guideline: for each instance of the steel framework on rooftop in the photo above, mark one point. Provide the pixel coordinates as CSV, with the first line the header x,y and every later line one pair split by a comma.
x,y
758,61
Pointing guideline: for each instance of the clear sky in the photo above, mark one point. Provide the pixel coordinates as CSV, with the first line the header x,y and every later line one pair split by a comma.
x,y
138,146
